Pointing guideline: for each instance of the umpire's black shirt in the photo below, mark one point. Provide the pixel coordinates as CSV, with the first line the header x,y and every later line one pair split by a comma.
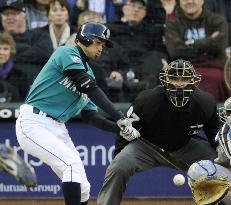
x,y
170,127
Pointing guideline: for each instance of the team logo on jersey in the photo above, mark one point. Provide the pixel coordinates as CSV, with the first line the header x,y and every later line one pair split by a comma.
x,y
195,129
69,84
76,59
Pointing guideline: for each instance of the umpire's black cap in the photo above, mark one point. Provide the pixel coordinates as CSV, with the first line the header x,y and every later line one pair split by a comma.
x,y
12,4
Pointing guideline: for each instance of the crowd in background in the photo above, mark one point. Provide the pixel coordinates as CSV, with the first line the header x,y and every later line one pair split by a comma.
x,y
146,34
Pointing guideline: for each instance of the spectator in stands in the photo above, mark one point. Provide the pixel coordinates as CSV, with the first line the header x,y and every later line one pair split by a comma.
x,y
144,44
88,16
36,13
130,33
33,47
222,7
58,28
200,36
169,7
105,8
110,70
159,11
72,3
84,17
12,85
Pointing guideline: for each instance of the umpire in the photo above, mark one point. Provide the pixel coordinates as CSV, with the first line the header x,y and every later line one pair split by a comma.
x,y
178,123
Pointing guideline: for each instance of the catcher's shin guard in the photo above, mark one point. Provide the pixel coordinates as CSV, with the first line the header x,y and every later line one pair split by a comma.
x,y
14,165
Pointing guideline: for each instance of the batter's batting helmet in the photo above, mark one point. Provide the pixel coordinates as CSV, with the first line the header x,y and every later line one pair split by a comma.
x,y
179,80
89,31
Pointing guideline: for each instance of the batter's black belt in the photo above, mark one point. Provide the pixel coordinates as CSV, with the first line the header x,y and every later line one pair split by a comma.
x,y
37,111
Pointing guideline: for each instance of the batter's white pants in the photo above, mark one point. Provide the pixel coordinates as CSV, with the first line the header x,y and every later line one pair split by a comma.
x,y
49,140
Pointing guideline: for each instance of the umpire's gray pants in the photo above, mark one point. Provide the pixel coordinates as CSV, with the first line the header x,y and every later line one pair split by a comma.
x,y
139,156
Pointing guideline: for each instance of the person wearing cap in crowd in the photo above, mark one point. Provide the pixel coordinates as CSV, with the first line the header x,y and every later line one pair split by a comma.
x,y
200,36
65,87
36,13
30,45
130,32
222,7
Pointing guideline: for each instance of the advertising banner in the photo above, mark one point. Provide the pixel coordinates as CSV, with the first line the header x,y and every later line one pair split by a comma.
x,y
96,150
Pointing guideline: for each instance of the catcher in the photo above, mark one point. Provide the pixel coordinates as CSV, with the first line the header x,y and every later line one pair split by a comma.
x,y
210,181
14,165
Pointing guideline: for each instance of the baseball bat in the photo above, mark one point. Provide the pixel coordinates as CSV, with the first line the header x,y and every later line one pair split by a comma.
x,y
176,163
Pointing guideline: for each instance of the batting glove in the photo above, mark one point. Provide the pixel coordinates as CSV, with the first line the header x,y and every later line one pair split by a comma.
x,y
123,123
130,133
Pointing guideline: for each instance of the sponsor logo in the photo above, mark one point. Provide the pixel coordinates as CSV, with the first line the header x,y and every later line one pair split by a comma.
x,y
8,113
52,188
71,86
76,59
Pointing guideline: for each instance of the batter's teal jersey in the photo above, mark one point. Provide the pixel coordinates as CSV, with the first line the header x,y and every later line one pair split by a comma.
x,y
53,92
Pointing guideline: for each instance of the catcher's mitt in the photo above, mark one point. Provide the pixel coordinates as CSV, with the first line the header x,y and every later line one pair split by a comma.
x,y
209,190
14,165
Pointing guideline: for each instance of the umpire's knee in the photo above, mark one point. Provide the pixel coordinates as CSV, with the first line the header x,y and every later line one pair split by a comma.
x,y
118,170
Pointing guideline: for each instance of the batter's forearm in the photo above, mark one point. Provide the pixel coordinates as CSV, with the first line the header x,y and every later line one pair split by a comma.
x,y
101,100
86,84
95,119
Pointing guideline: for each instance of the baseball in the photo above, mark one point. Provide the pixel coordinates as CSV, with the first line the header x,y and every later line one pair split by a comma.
x,y
179,180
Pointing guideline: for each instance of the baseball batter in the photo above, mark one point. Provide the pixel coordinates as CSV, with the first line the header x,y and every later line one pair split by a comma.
x,y
65,87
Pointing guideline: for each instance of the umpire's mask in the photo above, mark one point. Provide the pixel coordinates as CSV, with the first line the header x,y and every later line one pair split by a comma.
x,y
179,80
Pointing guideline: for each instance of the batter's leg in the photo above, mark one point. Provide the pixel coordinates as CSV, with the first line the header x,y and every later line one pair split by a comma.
x,y
43,144
85,186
